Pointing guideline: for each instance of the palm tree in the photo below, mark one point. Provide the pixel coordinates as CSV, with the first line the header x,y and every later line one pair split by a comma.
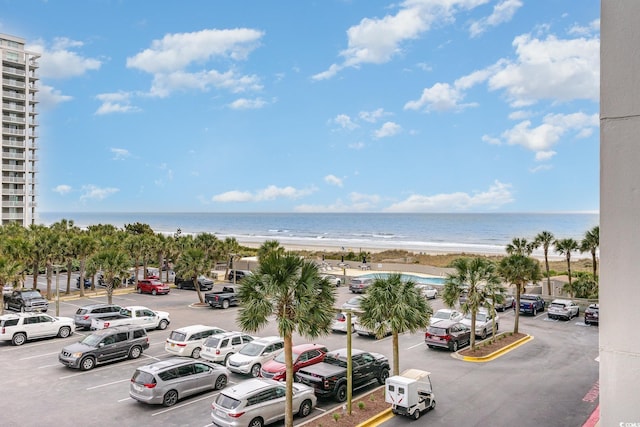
x,y
133,245
83,247
545,239
269,246
114,263
395,304
519,270
193,263
590,243
10,271
565,247
520,246
289,288
493,293
230,247
470,276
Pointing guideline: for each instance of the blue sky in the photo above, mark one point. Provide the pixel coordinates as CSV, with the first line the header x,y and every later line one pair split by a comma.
x,y
315,106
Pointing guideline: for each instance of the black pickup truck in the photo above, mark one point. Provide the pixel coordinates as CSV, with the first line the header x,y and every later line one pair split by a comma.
x,y
25,300
222,299
329,377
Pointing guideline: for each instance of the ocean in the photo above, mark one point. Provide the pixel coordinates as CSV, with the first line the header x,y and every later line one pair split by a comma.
x,y
486,233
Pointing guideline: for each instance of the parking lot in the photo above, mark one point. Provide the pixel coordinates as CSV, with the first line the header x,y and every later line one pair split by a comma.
x,y
547,381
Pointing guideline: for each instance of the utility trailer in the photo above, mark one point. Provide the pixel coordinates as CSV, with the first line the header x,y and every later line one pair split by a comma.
x,y
410,393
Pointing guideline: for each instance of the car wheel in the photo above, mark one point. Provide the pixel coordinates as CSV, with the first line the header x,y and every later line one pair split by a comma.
x,y
416,414
305,409
6,306
341,393
586,322
196,353
430,346
135,352
497,326
162,325
483,335
19,339
454,346
225,304
384,374
256,422
179,286
64,332
433,404
255,370
226,358
170,398
87,363
23,309
221,382
139,290
535,311
154,292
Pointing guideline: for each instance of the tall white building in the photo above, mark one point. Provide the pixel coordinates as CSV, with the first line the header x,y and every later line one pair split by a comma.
x,y
19,131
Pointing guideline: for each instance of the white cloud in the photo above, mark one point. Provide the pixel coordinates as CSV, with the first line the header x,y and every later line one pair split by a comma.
x,y
378,40
593,27
543,156
248,104
359,145
60,62
502,12
554,126
96,193
171,58
540,168
62,189
372,116
496,196
270,193
358,202
120,153
115,102
49,97
550,68
490,140
333,180
345,122
387,129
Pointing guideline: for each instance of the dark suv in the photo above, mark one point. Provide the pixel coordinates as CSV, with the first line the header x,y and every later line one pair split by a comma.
x,y
26,300
592,314
84,314
105,345
531,304
204,283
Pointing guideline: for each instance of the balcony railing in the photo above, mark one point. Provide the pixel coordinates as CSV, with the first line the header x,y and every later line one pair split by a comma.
x,y
13,156
13,179
12,216
9,119
14,168
14,83
17,144
13,70
10,131
13,192
13,107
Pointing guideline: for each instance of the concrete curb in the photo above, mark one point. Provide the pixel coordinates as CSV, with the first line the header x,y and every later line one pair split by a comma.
x,y
498,353
378,419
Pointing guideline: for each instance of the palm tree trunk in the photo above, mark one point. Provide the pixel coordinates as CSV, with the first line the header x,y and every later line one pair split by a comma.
x,y
69,266
595,265
516,309
196,284
473,330
36,272
569,272
546,265
288,359
396,354
49,275
82,263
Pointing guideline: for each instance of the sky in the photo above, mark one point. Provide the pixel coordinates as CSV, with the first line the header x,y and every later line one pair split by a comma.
x,y
315,106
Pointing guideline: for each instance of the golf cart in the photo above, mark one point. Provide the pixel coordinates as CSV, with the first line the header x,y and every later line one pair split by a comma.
x,y
410,393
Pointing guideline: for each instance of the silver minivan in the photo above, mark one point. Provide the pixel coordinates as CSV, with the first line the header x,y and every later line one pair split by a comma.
x,y
169,380
259,401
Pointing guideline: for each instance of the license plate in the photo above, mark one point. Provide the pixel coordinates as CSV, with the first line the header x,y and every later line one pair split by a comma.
x,y
137,387
221,413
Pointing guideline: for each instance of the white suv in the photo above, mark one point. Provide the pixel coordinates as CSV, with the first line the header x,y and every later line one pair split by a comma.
x,y
219,347
252,356
188,341
20,327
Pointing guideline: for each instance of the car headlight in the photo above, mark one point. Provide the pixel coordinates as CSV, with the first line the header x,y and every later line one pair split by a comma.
x,y
244,363
76,355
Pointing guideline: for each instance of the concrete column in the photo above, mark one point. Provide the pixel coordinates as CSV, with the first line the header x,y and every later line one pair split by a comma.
x,y
619,212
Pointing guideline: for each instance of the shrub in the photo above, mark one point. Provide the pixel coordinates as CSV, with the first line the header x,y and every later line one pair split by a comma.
x,y
336,416
360,405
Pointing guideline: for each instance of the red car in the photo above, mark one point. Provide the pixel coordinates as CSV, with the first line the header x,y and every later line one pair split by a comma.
x,y
303,355
152,286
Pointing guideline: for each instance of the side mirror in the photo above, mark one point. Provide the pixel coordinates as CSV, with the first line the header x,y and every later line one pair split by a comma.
x,y
101,345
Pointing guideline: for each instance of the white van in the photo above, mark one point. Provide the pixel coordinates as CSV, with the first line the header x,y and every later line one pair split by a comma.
x,y
188,341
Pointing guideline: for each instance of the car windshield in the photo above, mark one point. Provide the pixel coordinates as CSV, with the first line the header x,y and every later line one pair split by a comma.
x,y
177,336
557,305
212,342
436,331
31,294
354,301
92,340
226,402
335,361
441,315
280,357
251,349
481,317
141,377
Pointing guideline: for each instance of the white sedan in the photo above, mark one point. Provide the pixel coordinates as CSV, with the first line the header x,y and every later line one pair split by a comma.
x,y
428,291
335,281
445,314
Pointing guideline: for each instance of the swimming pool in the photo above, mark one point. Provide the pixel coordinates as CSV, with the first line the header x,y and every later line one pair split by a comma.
x,y
438,281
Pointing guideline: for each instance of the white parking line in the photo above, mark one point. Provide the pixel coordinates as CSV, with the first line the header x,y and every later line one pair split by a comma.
x,y
416,345
39,355
108,384
185,404
48,366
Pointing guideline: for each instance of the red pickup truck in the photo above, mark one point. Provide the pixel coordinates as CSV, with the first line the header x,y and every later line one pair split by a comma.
x,y
152,286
